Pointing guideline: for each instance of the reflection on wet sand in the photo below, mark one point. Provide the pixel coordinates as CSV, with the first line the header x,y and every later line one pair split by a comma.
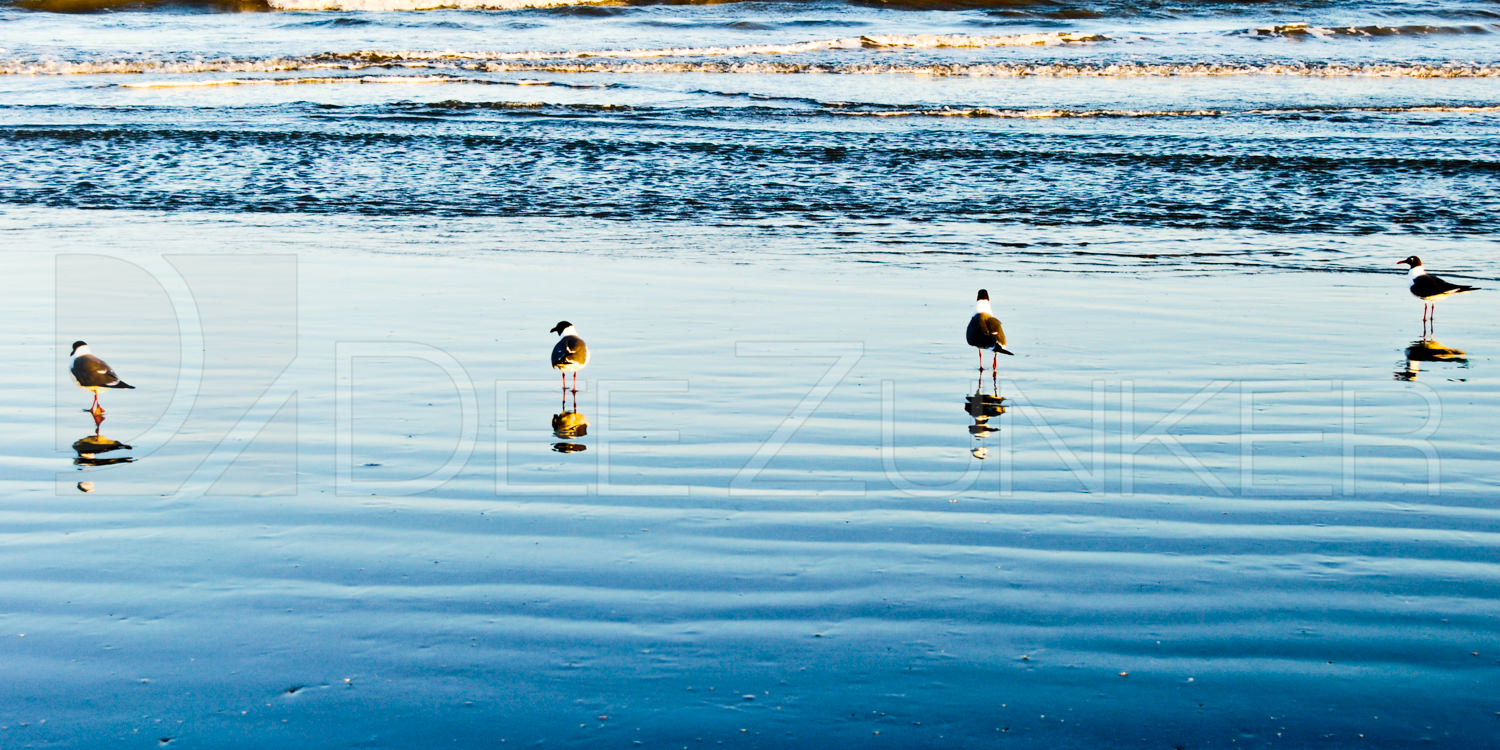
x,y
1428,350
91,447
568,425
982,407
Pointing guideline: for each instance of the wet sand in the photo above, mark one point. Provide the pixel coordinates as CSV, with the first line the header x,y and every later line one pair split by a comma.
x,y
1219,508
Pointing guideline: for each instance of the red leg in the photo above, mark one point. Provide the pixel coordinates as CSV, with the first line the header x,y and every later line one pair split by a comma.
x,y
993,359
981,359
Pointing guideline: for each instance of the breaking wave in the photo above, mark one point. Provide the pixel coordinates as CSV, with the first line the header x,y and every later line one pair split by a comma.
x,y
814,108
1310,31
639,61
1052,113
872,41
1048,9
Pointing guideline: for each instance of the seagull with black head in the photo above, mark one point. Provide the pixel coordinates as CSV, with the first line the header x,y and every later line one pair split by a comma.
x,y
570,354
985,331
94,374
1429,288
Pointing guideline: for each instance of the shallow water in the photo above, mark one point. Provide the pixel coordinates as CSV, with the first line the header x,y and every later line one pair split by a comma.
x,y
1228,492
347,523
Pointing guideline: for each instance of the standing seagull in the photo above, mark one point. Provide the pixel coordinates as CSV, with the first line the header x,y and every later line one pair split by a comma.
x,y
985,331
1429,288
93,374
570,354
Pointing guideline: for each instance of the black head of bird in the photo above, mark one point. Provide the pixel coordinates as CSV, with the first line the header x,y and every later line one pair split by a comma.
x,y
562,325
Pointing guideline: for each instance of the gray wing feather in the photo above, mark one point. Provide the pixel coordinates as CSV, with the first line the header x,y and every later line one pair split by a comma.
x,y
570,350
993,324
985,331
1432,286
92,372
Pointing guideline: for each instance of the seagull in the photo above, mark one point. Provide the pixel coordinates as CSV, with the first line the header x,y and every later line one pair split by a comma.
x,y
985,331
1429,288
570,354
94,374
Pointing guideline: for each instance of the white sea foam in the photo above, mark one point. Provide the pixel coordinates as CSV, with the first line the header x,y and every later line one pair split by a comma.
x,y
875,41
939,41
298,81
1306,30
1022,70
416,58
638,61
1029,114
1042,114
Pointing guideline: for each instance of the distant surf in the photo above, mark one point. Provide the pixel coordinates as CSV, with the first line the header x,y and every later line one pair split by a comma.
x,y
682,60
1348,119
1000,8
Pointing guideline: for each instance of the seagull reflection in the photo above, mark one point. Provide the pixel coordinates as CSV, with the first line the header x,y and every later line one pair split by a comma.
x,y
568,425
982,407
89,448
1428,350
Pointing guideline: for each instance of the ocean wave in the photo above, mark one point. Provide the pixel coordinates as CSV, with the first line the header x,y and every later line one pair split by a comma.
x,y
423,58
1309,31
367,6
302,80
956,41
994,9
804,108
1010,70
1054,113
816,109
791,108
577,62
385,6
866,42
375,79
1040,8
744,175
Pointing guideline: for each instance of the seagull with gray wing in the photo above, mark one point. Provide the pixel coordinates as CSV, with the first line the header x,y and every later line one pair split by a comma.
x,y
1429,288
985,331
570,354
94,374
